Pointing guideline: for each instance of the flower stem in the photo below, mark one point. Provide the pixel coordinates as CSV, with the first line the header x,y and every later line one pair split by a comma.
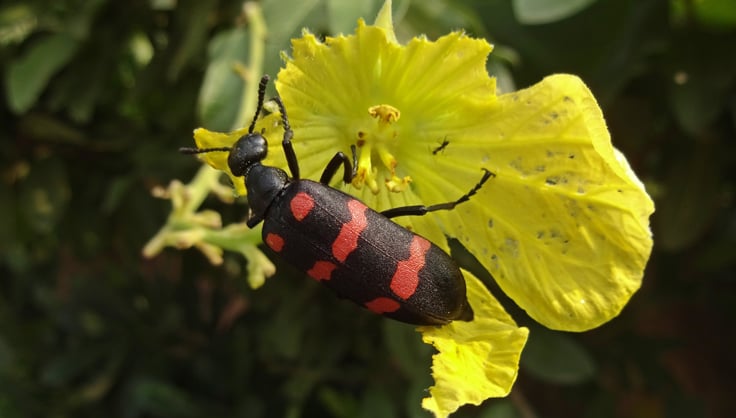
x,y
201,185
186,227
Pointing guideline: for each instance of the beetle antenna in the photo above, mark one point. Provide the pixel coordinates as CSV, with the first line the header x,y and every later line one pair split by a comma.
x,y
282,109
261,96
191,151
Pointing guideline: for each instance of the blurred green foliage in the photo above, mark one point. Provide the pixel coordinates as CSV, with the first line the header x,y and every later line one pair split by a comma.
x,y
99,94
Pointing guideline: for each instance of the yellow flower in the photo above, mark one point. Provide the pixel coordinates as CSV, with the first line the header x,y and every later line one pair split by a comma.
x,y
563,225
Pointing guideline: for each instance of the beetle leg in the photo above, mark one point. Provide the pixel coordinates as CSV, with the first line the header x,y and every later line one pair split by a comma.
x,y
349,170
286,142
419,210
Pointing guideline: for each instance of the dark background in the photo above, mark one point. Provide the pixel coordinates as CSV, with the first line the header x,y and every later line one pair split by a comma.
x,y
98,95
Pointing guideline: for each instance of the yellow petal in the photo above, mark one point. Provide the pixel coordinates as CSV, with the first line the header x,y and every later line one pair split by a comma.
x,y
218,160
564,225
269,126
385,20
439,87
476,360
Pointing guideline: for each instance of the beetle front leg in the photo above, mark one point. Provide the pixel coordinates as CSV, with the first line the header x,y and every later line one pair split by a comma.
x,y
286,144
349,171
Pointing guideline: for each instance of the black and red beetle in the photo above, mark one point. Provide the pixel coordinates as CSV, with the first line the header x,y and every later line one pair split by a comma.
x,y
336,239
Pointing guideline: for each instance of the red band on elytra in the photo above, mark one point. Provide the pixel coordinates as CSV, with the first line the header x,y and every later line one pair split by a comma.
x,y
347,241
322,270
406,278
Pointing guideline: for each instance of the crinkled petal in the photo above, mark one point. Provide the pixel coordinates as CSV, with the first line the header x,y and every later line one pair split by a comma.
x,y
327,104
329,86
269,127
564,225
218,160
476,360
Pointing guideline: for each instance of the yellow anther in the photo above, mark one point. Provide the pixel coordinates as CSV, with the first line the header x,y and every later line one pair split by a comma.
x,y
379,136
385,113
398,184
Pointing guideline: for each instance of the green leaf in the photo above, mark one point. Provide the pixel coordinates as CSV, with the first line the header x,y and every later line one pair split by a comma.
x,y
342,15
556,357
44,195
79,19
118,188
602,405
691,198
70,365
156,398
702,79
535,12
417,390
16,23
28,75
194,34
340,404
219,97
376,403
717,14
437,17
7,356
697,103
406,347
502,408
282,24
8,221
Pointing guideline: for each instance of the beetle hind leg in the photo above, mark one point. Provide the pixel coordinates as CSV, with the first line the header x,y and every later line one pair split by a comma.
x,y
419,210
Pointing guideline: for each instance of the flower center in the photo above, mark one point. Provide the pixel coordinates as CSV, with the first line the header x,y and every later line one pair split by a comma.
x,y
380,135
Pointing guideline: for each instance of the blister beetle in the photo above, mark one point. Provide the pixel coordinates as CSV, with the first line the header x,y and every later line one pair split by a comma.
x,y
336,239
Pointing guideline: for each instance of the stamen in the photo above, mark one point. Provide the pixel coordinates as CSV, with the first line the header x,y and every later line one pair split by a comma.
x,y
396,184
386,114
379,137
387,158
